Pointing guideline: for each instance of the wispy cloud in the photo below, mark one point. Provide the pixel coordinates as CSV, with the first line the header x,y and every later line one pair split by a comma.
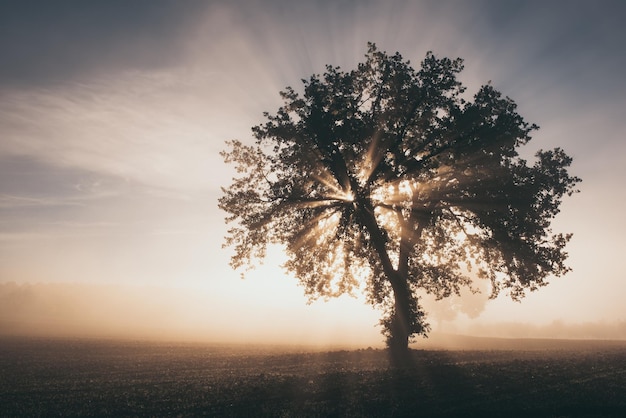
x,y
8,201
16,202
137,127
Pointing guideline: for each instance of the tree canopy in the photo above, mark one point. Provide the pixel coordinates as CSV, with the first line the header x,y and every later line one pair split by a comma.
x,y
389,179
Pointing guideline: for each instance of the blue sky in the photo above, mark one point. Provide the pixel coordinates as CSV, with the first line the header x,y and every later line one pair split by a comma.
x,y
112,115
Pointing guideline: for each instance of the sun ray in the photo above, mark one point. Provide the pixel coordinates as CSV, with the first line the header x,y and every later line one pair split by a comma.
x,y
311,231
372,159
336,192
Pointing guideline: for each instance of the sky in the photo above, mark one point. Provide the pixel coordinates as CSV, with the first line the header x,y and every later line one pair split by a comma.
x,y
113,114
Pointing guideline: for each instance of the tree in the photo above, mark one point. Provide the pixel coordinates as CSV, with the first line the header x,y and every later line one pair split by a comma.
x,y
386,177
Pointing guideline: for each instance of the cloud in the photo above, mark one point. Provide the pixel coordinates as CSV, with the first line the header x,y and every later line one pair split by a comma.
x,y
165,313
468,304
8,201
82,310
162,124
602,330
144,128
98,311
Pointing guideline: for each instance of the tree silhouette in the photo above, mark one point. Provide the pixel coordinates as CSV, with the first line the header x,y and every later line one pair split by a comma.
x,y
388,179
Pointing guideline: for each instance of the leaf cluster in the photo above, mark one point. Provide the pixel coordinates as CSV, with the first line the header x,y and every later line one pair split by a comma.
x,y
386,175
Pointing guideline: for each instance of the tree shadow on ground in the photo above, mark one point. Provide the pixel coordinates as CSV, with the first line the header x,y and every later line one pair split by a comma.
x,y
69,378
424,385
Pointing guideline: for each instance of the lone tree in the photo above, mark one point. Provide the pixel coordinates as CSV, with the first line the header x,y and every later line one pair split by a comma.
x,y
386,178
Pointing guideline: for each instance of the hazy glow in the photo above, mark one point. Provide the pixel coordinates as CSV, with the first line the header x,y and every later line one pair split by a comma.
x,y
109,165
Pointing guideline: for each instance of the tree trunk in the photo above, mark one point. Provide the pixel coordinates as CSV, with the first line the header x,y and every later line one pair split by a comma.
x,y
401,320
400,329
404,317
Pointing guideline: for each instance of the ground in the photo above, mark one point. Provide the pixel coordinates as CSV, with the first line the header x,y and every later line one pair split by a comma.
x,y
64,377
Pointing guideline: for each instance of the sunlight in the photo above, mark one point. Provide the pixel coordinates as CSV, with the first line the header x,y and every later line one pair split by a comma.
x,y
142,209
371,159
312,230
336,191
327,180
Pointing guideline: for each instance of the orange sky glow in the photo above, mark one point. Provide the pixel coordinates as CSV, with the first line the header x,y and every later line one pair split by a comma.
x,y
110,168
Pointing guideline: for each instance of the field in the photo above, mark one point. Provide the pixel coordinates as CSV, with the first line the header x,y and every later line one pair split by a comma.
x,y
56,377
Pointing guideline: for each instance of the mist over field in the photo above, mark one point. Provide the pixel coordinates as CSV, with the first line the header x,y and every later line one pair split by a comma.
x,y
116,294
151,312
170,314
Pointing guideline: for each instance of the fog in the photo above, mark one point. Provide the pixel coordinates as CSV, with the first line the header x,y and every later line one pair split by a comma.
x,y
169,314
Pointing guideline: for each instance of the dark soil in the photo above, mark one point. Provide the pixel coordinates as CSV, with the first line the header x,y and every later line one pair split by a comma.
x,y
47,377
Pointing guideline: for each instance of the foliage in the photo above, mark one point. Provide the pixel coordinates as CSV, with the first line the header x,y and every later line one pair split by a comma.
x,y
387,178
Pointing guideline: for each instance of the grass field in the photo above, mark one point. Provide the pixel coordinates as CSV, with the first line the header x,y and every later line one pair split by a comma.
x,y
55,377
